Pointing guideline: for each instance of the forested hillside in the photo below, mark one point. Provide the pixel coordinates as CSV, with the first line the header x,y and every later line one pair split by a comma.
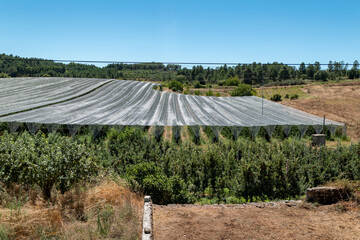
x,y
14,66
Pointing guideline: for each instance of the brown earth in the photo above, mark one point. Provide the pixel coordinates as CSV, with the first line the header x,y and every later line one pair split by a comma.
x,y
339,102
256,221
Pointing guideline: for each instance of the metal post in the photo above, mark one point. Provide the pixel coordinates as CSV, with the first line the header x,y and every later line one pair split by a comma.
x,y
262,93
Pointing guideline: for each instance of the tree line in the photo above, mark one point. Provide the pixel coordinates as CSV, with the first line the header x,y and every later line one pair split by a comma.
x,y
255,73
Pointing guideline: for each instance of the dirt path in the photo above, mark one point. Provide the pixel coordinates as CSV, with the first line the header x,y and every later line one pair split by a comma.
x,y
287,221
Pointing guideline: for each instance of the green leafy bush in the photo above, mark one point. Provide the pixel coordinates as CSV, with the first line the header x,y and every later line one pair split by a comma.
x,y
197,93
276,97
233,81
4,75
294,96
197,84
209,93
243,90
176,86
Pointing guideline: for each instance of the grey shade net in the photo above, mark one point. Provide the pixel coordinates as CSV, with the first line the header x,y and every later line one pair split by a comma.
x,y
176,132
33,127
18,94
134,103
270,129
52,127
73,129
13,126
95,129
236,131
332,129
255,130
287,129
302,129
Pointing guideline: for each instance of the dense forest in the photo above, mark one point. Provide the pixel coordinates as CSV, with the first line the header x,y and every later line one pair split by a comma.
x,y
255,73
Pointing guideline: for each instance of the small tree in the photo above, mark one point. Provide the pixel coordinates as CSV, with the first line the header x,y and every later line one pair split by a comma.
x,y
47,162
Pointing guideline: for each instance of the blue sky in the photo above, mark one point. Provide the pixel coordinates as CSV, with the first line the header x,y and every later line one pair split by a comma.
x,y
182,31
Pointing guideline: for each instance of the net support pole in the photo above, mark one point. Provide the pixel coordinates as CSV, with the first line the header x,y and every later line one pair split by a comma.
x,y
262,94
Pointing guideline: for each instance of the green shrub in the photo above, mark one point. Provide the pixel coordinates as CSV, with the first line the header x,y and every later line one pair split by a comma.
x,y
276,97
222,83
233,81
198,85
295,96
197,92
243,90
209,93
176,86
4,75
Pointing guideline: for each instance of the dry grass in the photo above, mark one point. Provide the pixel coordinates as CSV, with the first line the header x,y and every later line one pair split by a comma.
x,y
104,210
339,102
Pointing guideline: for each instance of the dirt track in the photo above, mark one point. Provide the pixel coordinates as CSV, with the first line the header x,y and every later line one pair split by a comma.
x,y
255,222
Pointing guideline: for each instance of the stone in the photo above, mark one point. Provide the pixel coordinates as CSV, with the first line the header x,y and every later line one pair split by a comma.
x,y
326,195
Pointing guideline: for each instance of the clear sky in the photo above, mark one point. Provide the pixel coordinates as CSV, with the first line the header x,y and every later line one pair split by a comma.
x,y
288,31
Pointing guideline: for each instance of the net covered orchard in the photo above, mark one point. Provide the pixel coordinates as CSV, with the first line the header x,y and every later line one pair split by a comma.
x,y
76,102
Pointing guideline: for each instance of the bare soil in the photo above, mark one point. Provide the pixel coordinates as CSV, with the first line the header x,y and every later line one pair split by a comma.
x,y
257,221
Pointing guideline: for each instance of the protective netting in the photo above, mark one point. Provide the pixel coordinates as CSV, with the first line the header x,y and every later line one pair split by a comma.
x,y
33,127
176,132
98,102
13,126
255,130
158,131
287,129
95,129
19,94
236,131
73,129
270,129
302,129
52,127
